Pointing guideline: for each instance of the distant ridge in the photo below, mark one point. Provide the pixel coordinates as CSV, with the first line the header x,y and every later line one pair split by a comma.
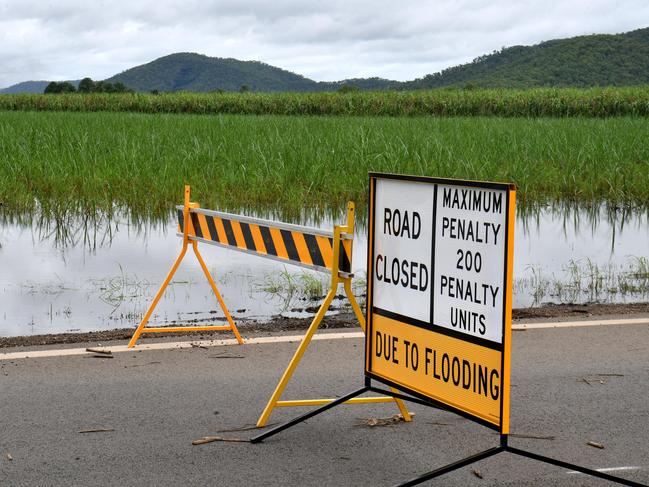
x,y
583,61
31,87
195,72
593,60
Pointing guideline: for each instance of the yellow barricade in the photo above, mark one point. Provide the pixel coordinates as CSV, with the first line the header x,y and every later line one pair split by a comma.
x,y
303,246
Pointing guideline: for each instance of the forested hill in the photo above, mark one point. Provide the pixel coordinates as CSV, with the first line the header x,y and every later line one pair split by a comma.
x,y
195,72
593,60
31,87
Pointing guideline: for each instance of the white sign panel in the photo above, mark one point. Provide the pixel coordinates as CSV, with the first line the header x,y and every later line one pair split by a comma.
x,y
440,254
403,239
470,242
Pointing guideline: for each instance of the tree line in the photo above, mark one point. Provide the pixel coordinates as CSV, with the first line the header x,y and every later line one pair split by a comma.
x,y
86,85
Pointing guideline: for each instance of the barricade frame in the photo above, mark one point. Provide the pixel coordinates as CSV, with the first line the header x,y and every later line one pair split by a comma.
x,y
342,236
188,231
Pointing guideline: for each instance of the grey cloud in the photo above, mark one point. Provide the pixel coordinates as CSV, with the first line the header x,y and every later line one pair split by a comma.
x,y
323,40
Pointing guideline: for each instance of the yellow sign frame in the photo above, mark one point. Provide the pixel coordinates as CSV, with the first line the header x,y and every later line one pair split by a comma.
x,y
457,354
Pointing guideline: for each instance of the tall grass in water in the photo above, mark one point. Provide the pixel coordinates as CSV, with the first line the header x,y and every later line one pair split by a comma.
x,y
141,162
541,102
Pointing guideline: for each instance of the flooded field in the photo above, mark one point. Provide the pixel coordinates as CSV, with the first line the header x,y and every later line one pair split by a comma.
x,y
101,273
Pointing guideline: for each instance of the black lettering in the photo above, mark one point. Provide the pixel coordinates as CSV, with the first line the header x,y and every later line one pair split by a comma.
x,y
414,356
496,230
406,225
495,389
446,367
396,222
455,370
413,274
474,377
445,224
387,217
483,326
379,259
423,277
416,225
386,347
446,198
466,374
477,201
394,350
443,283
497,199
395,270
482,380
435,374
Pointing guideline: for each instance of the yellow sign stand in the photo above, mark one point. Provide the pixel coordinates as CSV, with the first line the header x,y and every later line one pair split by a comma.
x,y
187,231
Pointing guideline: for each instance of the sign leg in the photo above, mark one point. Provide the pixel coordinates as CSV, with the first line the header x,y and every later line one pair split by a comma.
x,y
570,466
310,414
452,466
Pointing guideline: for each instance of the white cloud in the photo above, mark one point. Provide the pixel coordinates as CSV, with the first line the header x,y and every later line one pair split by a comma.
x,y
332,40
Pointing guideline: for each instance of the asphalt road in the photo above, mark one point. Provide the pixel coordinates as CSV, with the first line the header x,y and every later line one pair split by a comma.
x,y
570,386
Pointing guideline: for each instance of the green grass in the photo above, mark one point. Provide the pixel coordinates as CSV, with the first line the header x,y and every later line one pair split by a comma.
x,y
539,102
138,162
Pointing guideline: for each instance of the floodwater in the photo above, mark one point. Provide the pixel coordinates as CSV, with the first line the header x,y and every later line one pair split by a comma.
x,y
100,274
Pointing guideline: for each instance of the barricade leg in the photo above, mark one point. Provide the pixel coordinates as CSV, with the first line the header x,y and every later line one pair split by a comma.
x,y
233,327
263,419
154,303
405,414
170,329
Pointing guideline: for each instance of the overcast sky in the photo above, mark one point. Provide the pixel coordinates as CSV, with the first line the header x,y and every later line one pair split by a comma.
x,y
323,40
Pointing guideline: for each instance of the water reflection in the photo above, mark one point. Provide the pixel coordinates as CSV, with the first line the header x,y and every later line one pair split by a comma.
x,y
64,270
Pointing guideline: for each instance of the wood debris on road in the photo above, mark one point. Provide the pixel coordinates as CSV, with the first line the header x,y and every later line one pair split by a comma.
x,y
595,445
210,439
103,351
372,422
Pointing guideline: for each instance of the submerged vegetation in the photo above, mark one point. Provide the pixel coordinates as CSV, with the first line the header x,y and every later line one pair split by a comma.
x,y
586,281
538,102
288,287
139,163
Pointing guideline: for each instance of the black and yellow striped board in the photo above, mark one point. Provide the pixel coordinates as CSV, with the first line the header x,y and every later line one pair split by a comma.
x,y
294,244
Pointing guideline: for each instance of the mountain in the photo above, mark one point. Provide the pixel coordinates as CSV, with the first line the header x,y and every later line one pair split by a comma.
x,y
31,87
195,72
593,60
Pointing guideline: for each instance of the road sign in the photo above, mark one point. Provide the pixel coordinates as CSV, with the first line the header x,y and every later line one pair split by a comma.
x,y
440,258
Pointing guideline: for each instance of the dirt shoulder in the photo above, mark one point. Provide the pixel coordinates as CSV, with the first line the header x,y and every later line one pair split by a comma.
x,y
341,320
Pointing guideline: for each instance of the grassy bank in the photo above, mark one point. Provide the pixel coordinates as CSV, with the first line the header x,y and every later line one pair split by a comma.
x,y
542,102
140,162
